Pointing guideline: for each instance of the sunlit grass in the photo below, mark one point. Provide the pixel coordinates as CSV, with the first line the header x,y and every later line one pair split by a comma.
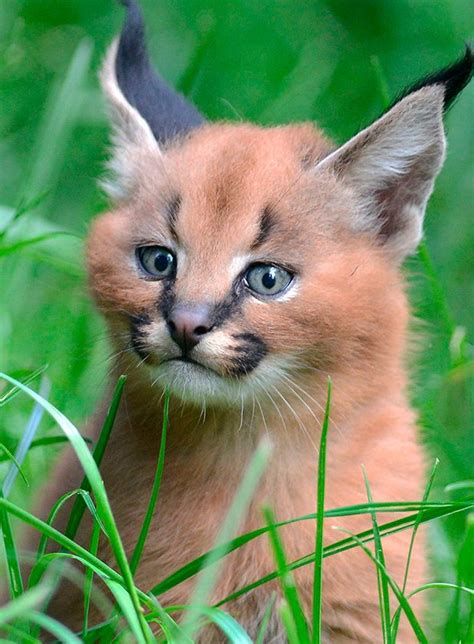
x,y
140,607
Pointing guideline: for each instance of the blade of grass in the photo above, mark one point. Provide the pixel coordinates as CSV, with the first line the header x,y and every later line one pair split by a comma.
x,y
381,81
93,547
169,626
45,442
227,624
262,631
79,507
288,623
426,494
237,510
9,456
60,632
319,536
60,565
100,495
25,207
28,435
382,584
18,635
21,606
15,580
386,529
13,391
137,553
100,568
433,586
436,509
460,485
55,509
421,637
287,581
59,118
25,243
125,603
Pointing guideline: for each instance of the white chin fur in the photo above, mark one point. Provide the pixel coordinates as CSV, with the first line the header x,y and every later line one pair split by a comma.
x,y
195,384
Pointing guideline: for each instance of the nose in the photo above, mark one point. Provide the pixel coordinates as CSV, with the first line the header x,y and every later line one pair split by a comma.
x,y
187,325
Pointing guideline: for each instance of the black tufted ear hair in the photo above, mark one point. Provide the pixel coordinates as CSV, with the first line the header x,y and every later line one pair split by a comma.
x,y
167,112
453,79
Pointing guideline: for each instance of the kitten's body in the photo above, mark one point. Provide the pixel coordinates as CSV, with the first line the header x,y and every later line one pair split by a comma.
x,y
204,464
223,198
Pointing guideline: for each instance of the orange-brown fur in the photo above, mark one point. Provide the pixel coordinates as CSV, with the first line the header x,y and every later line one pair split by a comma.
x,y
348,320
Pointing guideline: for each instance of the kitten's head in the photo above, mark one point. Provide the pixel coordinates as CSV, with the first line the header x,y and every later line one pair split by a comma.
x,y
238,257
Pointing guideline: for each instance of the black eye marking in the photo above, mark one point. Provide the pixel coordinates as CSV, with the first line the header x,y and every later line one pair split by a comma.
x,y
267,225
137,334
141,319
250,354
172,209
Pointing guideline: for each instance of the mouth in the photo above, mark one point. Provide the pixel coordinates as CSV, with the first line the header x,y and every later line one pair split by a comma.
x,y
188,360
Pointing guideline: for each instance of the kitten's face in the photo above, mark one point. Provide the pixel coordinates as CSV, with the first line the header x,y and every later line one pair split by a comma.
x,y
232,269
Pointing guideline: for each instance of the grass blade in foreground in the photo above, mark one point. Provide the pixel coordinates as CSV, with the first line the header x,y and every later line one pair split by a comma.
x,y
79,507
55,509
93,547
57,629
27,437
421,637
103,507
9,456
295,612
14,572
433,510
432,586
392,527
137,553
426,494
237,510
265,620
318,548
382,585
22,606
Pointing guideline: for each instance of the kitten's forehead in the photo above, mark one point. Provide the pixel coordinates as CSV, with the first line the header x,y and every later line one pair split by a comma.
x,y
232,180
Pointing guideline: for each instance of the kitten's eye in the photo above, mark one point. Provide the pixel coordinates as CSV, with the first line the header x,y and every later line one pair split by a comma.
x,y
267,279
156,261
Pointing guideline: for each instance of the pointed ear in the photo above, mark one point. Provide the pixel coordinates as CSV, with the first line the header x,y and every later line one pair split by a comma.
x,y
146,113
392,164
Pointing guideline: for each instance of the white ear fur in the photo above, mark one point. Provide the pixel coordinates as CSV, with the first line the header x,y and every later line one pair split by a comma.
x,y
132,137
392,166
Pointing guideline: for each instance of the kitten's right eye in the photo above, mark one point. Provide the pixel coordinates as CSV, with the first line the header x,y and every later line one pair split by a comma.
x,y
156,261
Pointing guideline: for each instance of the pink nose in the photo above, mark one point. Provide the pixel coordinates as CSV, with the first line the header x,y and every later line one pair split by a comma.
x,y
187,325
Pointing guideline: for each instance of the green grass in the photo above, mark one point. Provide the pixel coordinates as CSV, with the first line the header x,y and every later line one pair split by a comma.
x,y
333,61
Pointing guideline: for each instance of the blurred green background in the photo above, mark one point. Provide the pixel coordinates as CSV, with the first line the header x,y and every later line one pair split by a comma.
x,y
331,61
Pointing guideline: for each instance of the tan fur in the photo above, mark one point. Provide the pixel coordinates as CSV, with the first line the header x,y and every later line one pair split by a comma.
x,y
347,319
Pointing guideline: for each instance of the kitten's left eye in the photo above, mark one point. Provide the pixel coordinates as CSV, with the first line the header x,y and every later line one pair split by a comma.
x,y
267,279
157,261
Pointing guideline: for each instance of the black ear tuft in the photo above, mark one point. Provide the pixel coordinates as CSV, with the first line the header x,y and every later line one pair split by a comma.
x,y
454,78
166,111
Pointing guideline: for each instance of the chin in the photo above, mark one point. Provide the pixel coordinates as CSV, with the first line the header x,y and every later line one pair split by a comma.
x,y
196,384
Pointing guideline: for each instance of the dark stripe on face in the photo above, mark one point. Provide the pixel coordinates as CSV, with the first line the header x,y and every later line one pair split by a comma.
x,y
167,299
267,224
137,334
172,209
229,306
251,352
